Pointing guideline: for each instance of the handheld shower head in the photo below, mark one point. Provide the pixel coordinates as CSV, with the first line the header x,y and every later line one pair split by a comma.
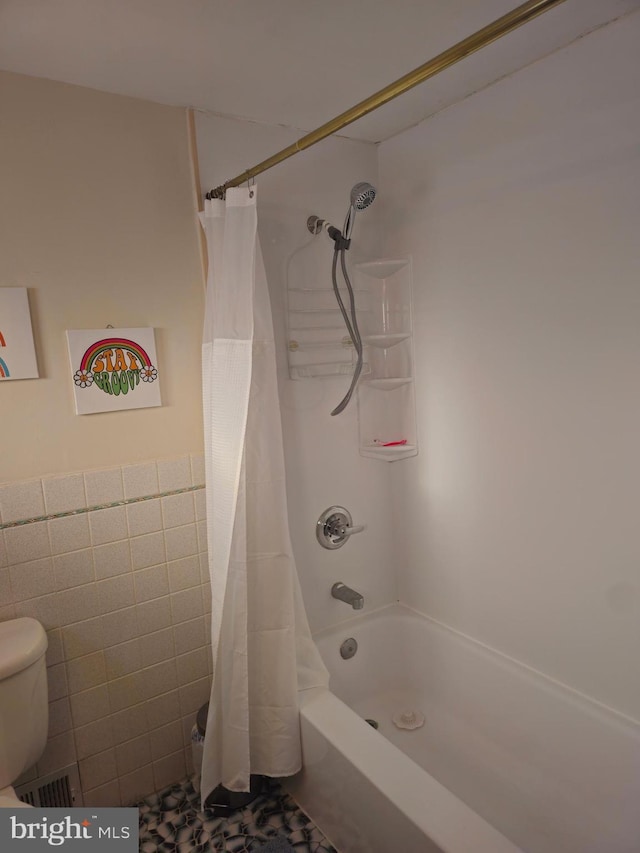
x,y
362,195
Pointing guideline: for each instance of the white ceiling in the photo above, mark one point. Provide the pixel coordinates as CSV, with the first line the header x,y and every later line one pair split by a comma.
x,y
291,62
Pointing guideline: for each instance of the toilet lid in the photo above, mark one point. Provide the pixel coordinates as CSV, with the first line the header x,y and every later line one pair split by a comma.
x,y
22,642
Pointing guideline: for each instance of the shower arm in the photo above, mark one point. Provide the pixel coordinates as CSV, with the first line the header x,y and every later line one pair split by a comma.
x,y
493,31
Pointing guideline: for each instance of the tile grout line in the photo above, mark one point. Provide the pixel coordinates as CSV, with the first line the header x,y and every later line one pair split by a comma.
x,y
7,525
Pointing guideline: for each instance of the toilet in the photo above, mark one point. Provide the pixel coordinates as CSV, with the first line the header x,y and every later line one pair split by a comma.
x,y
24,709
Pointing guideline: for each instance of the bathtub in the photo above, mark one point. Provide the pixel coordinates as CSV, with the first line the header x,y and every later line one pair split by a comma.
x,y
506,760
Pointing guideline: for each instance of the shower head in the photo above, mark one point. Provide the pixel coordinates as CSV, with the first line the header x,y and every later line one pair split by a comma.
x,y
362,195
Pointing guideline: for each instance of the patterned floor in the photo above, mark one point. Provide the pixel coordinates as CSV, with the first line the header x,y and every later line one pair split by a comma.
x,y
171,822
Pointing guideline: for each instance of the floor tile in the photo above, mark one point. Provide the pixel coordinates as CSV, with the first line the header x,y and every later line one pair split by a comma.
x,y
172,821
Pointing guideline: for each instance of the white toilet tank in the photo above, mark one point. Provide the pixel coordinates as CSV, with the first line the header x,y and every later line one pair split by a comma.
x,y
24,709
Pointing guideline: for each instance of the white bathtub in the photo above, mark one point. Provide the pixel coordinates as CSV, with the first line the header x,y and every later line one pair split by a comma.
x,y
507,760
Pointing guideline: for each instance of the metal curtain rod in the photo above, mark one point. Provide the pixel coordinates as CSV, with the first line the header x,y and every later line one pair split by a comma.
x,y
500,27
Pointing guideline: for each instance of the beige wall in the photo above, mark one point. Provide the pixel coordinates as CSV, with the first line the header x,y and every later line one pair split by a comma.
x,y
97,220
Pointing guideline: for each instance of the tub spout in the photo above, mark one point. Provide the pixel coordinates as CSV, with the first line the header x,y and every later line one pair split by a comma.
x,y
348,595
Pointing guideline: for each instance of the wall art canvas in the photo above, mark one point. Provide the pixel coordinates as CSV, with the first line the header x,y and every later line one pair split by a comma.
x,y
113,369
17,351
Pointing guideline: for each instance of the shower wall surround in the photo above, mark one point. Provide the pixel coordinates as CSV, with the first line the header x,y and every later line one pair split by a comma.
x,y
113,563
520,208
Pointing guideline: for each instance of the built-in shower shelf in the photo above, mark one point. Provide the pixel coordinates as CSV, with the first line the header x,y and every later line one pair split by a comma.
x,y
388,383
386,396
383,269
319,346
385,341
389,454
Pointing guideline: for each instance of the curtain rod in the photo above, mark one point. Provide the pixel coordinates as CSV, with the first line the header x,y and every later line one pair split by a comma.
x,y
500,27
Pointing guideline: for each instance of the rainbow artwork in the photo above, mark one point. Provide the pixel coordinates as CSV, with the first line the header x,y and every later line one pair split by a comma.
x,y
4,370
17,349
113,372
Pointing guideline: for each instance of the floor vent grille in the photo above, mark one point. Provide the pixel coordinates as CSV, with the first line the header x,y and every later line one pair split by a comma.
x,y
58,790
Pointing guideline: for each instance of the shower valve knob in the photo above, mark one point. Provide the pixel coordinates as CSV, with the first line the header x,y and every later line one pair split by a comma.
x,y
335,526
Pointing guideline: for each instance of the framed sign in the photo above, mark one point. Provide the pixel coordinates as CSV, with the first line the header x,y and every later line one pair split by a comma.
x,y
113,369
17,352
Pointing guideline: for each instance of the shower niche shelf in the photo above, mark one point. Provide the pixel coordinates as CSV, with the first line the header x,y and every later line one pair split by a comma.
x,y
386,396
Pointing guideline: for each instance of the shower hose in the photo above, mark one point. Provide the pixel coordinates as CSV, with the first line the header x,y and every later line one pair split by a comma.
x,y
350,322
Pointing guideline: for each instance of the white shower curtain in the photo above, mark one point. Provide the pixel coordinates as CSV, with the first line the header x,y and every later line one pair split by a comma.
x,y
262,647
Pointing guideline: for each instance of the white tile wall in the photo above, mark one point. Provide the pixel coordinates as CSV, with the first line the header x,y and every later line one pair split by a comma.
x,y
108,525
69,534
157,647
189,635
74,569
169,768
181,541
197,469
104,795
60,717
45,609
62,494
178,509
120,625
82,638
55,652
144,517
21,500
122,594
151,583
29,542
112,559
29,580
5,585
114,593
166,739
140,480
103,487
147,550
184,573
78,603
89,705
174,474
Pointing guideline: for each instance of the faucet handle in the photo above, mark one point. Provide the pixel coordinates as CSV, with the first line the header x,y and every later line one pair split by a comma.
x,y
335,526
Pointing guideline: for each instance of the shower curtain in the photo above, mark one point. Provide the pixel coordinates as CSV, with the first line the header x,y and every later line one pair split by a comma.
x,y
262,648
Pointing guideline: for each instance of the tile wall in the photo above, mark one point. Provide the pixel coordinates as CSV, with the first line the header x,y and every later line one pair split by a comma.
x,y
113,564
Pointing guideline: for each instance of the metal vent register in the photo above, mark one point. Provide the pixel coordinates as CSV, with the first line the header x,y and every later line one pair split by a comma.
x,y
58,790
